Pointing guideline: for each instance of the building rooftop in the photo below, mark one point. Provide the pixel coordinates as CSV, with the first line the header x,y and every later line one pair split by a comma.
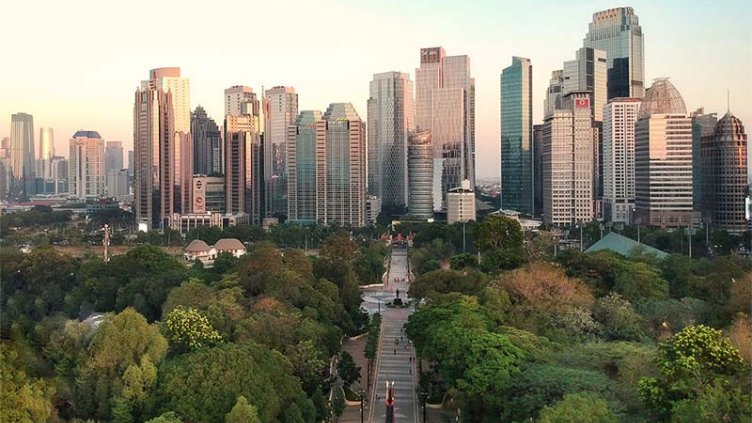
x,y
87,134
196,246
624,246
227,244
662,98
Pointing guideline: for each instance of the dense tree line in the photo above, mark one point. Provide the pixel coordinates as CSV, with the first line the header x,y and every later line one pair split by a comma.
x,y
247,340
515,335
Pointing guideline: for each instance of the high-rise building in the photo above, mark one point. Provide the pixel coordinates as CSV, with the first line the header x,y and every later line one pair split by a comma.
x,y
345,166
243,160
461,204
617,32
420,175
724,175
86,165
554,92
153,136
208,194
241,100
280,111
170,80
306,167
537,170
45,152
587,72
702,126
207,143
391,115
113,157
567,162
445,104
22,157
663,159
619,117
516,136
59,176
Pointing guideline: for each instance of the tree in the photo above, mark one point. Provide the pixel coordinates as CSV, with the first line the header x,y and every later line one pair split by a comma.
x,y
22,398
714,404
168,417
637,281
468,281
242,412
693,360
461,261
619,319
188,330
348,371
578,408
204,385
120,342
499,238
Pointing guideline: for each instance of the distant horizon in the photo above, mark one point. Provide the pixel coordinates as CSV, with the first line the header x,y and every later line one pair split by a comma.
x,y
329,53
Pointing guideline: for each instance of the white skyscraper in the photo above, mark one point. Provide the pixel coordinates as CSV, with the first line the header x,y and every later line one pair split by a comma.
x,y
280,106
86,165
619,117
45,152
663,158
391,114
445,104
567,161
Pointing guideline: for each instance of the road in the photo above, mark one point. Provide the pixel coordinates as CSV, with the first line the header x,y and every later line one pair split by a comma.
x,y
393,361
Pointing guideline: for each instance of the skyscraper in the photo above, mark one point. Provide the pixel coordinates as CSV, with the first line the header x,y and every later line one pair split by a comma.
x,y
724,179
617,32
619,119
86,165
306,168
587,72
537,169
113,153
663,158
461,204
345,166
207,143
702,126
516,136
420,174
153,140
22,164
243,166
280,111
554,92
567,161
45,152
241,100
169,80
445,104
391,115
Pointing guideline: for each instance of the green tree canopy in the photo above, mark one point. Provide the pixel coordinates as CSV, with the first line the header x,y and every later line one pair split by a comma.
x,y
242,412
578,408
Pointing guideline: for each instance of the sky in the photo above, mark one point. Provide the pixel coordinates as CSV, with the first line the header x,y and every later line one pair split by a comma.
x,y
76,64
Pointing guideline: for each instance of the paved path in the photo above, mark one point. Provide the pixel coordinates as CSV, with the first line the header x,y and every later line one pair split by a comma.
x,y
393,361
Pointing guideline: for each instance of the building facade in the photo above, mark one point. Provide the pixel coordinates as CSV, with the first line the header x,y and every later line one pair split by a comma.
x,y
516,136
461,204
420,175
345,166
113,165
45,152
306,144
567,162
207,143
280,111
22,156
724,175
587,72
208,194
391,115
445,104
243,166
617,32
663,159
702,126
86,165
619,118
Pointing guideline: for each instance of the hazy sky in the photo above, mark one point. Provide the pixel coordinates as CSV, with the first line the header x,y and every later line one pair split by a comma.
x,y
75,64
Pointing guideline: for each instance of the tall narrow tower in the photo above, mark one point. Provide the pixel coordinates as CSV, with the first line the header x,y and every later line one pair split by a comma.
x,y
280,107
516,136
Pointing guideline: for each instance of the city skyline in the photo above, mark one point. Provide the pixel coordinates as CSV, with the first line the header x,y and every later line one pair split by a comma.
x,y
701,64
